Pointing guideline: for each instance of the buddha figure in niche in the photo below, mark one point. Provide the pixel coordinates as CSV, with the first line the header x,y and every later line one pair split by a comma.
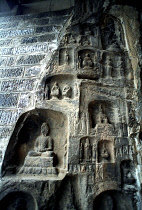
x,y
55,91
87,62
43,144
103,153
101,117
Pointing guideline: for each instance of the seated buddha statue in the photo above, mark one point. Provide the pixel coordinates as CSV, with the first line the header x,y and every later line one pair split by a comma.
x,y
87,62
43,144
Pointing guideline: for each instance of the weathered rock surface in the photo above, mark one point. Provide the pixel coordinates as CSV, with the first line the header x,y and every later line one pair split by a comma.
x,y
70,104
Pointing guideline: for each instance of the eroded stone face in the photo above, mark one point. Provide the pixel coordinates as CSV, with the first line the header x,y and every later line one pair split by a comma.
x,y
75,149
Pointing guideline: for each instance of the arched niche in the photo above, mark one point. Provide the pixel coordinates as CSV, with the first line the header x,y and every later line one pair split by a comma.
x,y
100,112
127,173
66,56
88,150
105,151
112,34
86,58
27,130
18,200
59,87
88,62
112,199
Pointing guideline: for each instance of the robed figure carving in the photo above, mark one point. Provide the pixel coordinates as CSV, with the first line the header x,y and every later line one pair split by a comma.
x,y
43,144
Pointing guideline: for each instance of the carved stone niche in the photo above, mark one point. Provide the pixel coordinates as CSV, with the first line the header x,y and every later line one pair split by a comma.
x,y
88,64
88,150
99,113
18,200
113,66
127,173
87,33
112,34
68,39
112,199
86,59
66,57
105,151
90,35
37,145
59,87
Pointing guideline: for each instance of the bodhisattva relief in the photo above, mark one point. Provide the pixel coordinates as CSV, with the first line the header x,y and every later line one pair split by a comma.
x,y
108,68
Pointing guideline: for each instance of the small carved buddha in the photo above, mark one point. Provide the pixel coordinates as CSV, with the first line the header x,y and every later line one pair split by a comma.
x,y
101,117
87,62
71,39
55,91
104,155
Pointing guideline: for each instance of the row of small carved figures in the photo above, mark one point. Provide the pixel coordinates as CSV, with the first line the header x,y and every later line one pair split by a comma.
x,y
95,169
87,62
89,154
55,92
83,39
124,150
81,168
38,170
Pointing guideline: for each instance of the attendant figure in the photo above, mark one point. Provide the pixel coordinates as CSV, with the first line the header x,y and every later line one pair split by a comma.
x,y
46,92
66,92
120,67
79,62
81,152
66,57
94,153
65,155
103,153
108,68
87,150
